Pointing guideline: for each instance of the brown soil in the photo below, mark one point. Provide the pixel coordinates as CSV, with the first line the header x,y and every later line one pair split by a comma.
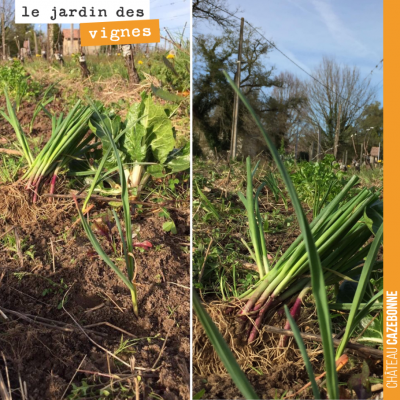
x,y
58,261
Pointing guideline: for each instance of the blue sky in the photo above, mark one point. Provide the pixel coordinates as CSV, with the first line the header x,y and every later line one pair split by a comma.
x,y
351,31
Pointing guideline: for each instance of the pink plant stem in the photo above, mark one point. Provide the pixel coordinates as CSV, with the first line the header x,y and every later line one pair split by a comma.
x,y
295,313
253,334
35,189
53,185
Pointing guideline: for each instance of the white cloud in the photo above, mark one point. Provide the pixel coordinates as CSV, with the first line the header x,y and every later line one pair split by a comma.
x,y
340,32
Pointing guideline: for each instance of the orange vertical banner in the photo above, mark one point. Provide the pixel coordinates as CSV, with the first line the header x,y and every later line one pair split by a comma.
x,y
391,146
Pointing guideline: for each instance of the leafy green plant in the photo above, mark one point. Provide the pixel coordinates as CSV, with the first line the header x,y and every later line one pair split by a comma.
x,y
318,182
169,225
273,184
126,239
19,83
146,146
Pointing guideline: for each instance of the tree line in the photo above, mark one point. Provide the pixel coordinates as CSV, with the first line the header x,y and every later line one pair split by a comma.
x,y
337,102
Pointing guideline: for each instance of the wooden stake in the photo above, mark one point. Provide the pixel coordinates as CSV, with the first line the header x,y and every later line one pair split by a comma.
x,y
236,96
319,145
337,133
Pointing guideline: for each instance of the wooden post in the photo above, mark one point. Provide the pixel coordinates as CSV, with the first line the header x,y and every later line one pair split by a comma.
x,y
319,145
183,32
361,154
127,52
312,151
36,44
354,146
296,143
337,133
345,158
3,31
72,39
379,151
236,97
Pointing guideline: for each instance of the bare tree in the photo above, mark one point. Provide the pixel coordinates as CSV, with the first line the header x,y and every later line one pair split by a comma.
x,y
215,11
336,87
292,93
7,13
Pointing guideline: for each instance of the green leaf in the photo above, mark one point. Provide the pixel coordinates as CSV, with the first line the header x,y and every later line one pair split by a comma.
x,y
303,351
163,94
373,216
207,204
179,160
135,142
157,170
160,134
199,395
104,127
353,318
169,226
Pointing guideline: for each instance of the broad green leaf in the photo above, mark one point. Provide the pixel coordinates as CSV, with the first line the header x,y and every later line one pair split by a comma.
x,y
163,94
159,130
135,143
157,171
180,160
103,126
169,226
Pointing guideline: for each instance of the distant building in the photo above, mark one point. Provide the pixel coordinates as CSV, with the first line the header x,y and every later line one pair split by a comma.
x,y
374,154
76,43
25,48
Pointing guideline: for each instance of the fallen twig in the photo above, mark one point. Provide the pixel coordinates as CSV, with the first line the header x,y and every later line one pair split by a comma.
x,y
47,322
364,350
11,152
340,363
116,200
73,377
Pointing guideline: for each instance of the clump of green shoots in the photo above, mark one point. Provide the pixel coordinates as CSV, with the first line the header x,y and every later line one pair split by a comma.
x,y
340,231
69,137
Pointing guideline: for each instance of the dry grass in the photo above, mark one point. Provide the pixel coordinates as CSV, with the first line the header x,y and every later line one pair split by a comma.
x,y
18,210
264,355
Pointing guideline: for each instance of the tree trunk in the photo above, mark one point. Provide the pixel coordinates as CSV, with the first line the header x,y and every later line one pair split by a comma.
x,y
50,37
3,34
